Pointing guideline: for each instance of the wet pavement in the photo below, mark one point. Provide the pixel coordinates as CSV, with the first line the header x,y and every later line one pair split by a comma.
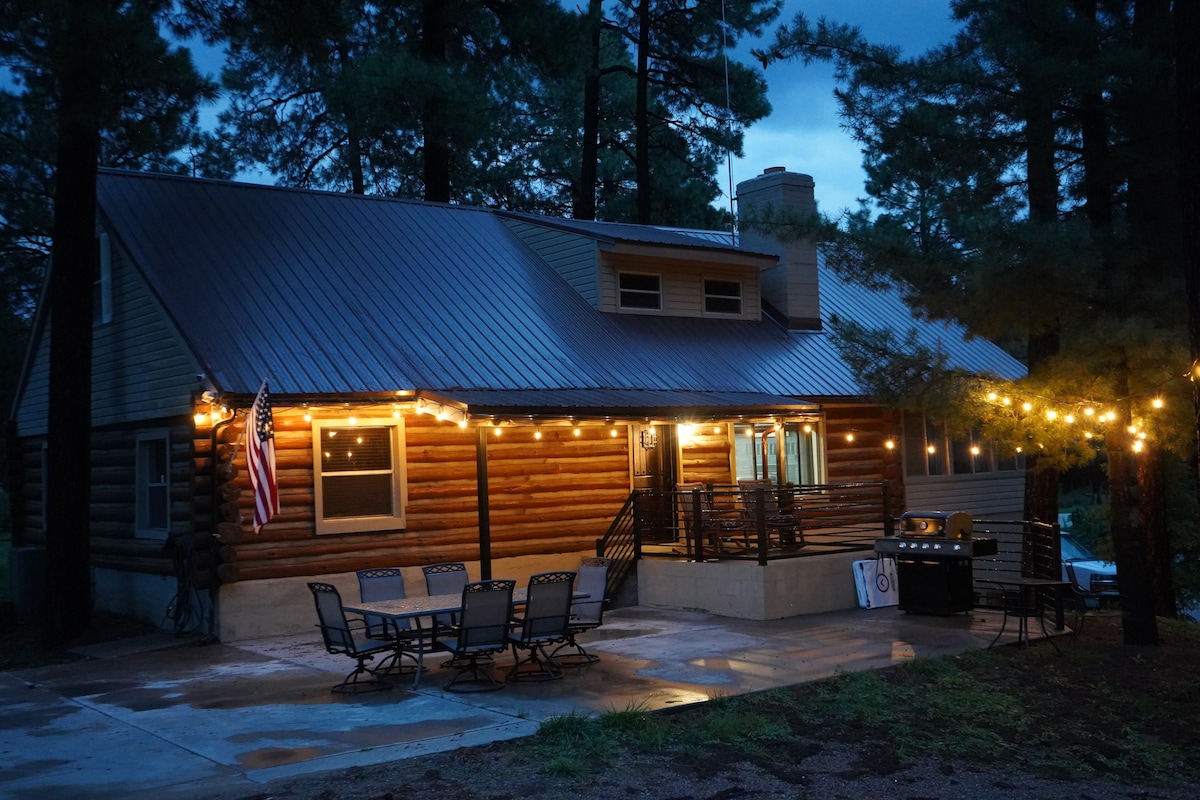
x,y
198,718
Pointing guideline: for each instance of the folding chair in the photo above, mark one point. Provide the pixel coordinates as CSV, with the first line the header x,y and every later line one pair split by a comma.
x,y
482,631
543,622
340,638
387,583
587,614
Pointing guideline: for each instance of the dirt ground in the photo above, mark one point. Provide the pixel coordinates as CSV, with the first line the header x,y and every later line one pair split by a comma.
x,y
1116,722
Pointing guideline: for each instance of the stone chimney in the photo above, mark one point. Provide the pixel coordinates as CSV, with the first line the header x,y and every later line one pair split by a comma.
x,y
791,287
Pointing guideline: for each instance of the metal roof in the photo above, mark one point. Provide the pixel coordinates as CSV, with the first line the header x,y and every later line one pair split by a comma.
x,y
342,294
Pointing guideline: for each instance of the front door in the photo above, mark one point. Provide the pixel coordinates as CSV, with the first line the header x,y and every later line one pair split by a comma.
x,y
655,455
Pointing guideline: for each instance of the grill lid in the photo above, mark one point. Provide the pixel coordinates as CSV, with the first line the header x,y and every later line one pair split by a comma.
x,y
940,524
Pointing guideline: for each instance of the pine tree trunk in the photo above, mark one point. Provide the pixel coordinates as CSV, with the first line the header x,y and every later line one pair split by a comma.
x,y
437,136
1138,623
1152,507
642,115
585,192
68,605
1187,80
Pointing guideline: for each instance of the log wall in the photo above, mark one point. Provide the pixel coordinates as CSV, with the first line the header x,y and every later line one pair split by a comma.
x,y
550,495
553,495
865,458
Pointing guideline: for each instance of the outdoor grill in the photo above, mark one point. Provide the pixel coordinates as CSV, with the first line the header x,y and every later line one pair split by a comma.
x,y
933,552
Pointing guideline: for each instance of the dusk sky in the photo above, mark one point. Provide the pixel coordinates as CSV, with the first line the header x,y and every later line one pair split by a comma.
x,y
804,131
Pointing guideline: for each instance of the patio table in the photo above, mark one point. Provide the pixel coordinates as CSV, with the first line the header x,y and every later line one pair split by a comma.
x,y
414,608
1022,600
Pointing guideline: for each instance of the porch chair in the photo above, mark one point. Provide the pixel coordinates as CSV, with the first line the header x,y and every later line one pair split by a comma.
x,y
786,525
387,583
720,527
587,614
342,638
543,623
481,633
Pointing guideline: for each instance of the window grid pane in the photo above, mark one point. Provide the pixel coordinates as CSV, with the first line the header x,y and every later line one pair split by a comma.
x,y
640,291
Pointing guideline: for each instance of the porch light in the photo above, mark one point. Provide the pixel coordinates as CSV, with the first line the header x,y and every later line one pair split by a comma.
x,y
849,437
1157,402
537,434
889,444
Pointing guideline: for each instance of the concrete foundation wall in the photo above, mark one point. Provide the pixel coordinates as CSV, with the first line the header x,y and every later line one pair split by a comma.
x,y
150,598
255,609
745,590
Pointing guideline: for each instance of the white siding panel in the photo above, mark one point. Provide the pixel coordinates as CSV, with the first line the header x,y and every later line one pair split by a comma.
x,y
682,285
31,407
997,495
570,255
141,369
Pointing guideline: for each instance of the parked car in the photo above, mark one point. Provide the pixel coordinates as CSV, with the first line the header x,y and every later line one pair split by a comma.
x,y
1091,572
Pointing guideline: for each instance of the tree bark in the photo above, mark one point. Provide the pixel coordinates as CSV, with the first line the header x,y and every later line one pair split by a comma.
x,y
1138,623
642,115
585,193
68,603
1152,497
1187,82
437,137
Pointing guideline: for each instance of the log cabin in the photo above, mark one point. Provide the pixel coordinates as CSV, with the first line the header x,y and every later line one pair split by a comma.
x,y
452,383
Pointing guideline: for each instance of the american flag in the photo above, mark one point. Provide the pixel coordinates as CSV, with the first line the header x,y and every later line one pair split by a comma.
x,y
260,459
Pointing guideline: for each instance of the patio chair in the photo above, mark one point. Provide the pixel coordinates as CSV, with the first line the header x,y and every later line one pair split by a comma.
x,y
785,525
720,527
387,583
587,614
342,638
482,631
381,583
543,623
446,578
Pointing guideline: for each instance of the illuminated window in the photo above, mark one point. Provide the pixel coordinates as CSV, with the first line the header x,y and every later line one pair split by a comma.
x,y
358,472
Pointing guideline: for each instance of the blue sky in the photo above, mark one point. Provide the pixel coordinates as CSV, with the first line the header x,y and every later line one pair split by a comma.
x,y
803,132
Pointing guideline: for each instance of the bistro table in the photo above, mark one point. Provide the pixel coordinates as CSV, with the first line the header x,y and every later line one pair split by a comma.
x,y
1023,599
414,608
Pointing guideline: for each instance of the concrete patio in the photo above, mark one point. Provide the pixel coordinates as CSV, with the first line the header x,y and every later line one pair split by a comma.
x,y
150,718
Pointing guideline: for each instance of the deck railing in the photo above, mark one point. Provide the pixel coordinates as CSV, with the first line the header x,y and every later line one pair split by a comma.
x,y
721,523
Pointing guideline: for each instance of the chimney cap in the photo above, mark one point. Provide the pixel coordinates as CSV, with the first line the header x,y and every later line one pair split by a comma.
x,y
771,170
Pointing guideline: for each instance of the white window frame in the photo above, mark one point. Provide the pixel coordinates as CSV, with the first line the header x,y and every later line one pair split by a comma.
x,y
640,292
380,522
102,314
143,483
739,297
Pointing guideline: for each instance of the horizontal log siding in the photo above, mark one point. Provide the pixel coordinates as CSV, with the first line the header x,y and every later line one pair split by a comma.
x,y
558,494
707,456
866,458
113,499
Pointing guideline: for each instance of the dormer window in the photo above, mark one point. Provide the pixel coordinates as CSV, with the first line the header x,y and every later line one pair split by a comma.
x,y
722,297
640,291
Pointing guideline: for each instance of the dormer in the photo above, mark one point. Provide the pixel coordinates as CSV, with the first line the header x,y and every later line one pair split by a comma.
x,y
644,270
